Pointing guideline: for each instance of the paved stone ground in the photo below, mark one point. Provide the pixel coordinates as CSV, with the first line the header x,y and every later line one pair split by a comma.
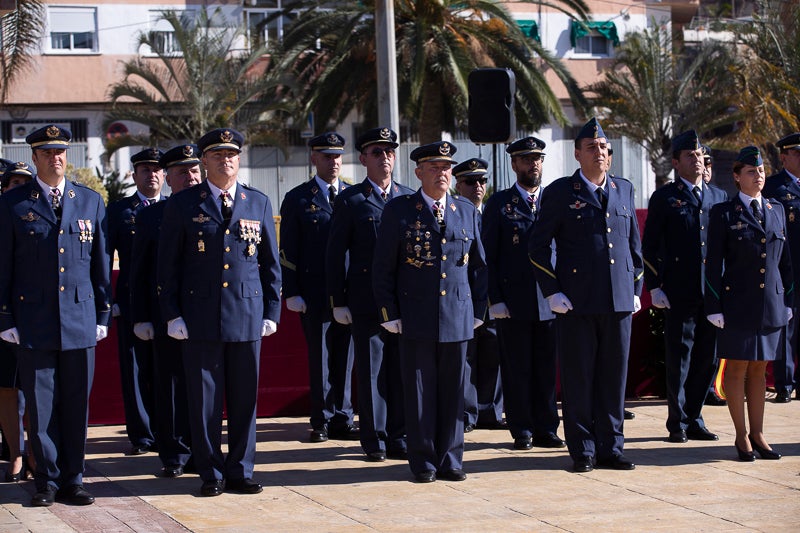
x,y
698,486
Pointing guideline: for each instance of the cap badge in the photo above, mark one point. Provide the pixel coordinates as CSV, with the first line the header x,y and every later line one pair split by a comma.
x,y
333,140
473,165
385,133
531,143
444,149
187,150
53,132
226,136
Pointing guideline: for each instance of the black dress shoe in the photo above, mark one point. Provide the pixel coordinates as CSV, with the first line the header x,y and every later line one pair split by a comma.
x,y
172,471
212,488
468,428
744,456
44,497
583,465
783,396
319,435
426,476
523,443
701,434
243,486
399,455
348,432
628,415
497,424
617,462
74,495
139,449
376,457
678,436
764,453
548,440
713,399
455,474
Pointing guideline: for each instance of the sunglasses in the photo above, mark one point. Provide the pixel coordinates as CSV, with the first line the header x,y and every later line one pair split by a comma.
x,y
377,152
473,181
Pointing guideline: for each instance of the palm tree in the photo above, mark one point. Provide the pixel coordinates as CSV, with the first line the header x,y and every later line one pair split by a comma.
x,y
21,31
650,93
439,42
204,81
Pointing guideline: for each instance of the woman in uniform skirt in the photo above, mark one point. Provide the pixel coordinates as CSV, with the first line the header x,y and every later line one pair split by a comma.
x,y
748,296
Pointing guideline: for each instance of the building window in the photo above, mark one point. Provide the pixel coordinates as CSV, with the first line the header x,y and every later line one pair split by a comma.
x,y
163,35
593,38
264,24
73,29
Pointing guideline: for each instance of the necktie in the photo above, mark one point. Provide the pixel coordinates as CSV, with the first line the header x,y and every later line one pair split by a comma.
x,y
384,196
145,202
55,201
331,194
227,205
757,211
532,203
698,194
601,196
438,212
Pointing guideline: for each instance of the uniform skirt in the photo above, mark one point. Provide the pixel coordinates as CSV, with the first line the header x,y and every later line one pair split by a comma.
x,y
742,344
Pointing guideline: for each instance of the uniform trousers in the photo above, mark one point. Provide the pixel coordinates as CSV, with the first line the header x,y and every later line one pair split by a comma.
x,y
136,373
330,364
380,392
784,369
528,355
690,363
222,374
57,385
173,434
483,391
593,357
433,387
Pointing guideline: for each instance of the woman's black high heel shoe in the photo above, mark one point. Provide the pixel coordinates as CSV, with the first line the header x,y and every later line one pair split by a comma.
x,y
745,456
11,477
763,452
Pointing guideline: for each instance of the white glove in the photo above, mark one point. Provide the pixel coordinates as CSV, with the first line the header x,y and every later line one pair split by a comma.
x,y
10,335
296,304
717,319
499,311
176,328
477,323
342,315
559,303
144,330
659,298
101,332
393,326
637,303
115,310
789,313
268,327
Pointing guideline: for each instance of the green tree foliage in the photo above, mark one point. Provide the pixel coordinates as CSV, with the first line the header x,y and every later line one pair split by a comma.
x,y
438,43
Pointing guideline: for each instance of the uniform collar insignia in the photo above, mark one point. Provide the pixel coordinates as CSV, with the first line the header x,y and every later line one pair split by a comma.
x,y
71,193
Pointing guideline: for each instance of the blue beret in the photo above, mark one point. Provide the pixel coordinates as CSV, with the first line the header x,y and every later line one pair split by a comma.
x,y
687,140
591,130
525,146
185,154
471,167
327,143
790,142
438,151
374,136
221,139
750,155
148,155
49,137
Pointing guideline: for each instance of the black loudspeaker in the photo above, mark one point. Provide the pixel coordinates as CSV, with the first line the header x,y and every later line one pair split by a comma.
x,y
491,105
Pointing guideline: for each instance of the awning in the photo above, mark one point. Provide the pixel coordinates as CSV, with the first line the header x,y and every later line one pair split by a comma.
x,y
530,29
605,28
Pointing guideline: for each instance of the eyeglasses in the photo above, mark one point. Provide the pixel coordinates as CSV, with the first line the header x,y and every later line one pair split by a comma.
x,y
473,181
377,152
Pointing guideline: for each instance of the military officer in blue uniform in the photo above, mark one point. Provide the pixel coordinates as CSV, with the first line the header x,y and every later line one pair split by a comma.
x,y
674,249
173,435
305,226
424,277
749,296
55,304
483,390
219,281
354,230
593,287
784,187
525,323
135,355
